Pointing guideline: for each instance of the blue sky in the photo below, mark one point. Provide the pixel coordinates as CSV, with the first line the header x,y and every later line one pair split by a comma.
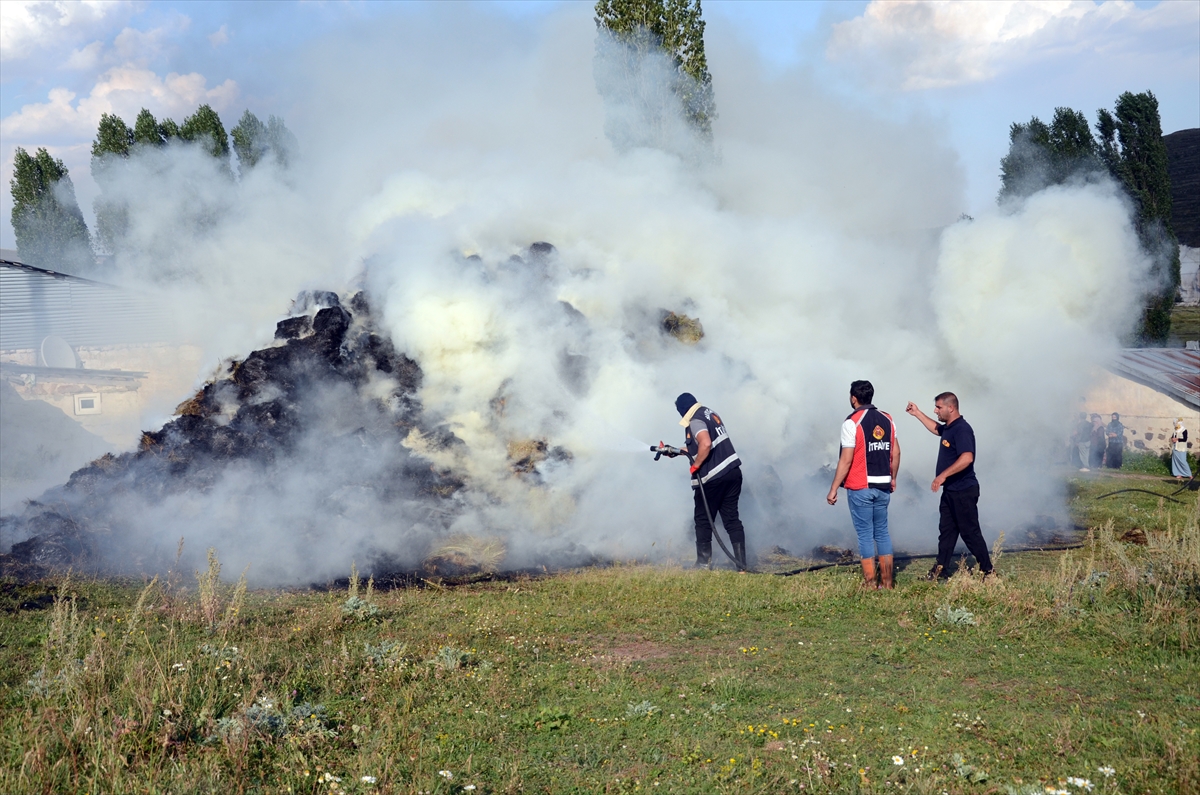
x,y
975,67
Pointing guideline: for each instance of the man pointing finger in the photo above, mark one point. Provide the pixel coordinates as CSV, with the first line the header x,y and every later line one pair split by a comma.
x,y
955,477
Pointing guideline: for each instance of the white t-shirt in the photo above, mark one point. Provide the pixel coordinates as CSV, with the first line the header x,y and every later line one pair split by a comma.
x,y
848,433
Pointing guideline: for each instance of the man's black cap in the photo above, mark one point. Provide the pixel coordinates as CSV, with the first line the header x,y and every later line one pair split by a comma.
x,y
685,402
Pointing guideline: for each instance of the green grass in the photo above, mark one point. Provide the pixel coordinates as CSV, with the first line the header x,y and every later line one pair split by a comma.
x,y
1135,462
1130,510
623,679
1185,322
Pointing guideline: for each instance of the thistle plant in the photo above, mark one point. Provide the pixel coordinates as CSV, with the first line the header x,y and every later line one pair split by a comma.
x,y
355,607
956,616
641,710
449,658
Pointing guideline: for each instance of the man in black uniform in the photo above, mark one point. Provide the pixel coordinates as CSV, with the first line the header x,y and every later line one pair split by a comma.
x,y
956,472
716,465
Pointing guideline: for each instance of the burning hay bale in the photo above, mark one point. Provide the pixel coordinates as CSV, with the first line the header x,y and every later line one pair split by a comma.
x,y
331,392
683,328
464,554
526,454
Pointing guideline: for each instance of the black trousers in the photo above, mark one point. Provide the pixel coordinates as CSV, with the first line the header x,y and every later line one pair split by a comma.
x,y
1114,455
722,494
960,517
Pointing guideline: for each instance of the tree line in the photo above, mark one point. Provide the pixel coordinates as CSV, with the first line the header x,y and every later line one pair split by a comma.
x,y
1128,147
48,225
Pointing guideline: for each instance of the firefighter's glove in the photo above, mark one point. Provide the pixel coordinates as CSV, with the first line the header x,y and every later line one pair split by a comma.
x,y
693,468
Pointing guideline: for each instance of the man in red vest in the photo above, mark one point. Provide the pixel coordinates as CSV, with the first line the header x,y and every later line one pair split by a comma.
x,y
867,467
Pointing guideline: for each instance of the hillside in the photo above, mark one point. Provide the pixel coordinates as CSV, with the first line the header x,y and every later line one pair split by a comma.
x,y
1183,165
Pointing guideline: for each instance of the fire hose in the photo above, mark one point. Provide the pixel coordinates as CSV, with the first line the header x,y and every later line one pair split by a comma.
x,y
659,451
1170,497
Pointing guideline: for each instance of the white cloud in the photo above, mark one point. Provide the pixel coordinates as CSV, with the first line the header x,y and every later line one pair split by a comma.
x,y
220,37
86,58
30,26
141,46
922,44
122,90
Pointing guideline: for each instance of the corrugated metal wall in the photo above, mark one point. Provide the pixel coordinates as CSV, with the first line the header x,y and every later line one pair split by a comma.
x,y
35,304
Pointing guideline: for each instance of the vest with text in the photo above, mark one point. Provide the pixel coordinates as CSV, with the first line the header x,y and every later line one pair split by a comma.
x,y
721,458
873,437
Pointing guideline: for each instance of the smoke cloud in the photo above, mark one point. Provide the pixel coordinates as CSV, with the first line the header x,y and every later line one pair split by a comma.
x,y
818,245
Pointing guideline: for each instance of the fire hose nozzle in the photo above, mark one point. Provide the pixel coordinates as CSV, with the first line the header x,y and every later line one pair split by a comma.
x,y
661,449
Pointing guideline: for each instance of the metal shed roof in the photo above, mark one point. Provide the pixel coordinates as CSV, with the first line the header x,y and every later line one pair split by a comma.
x,y
36,303
1172,371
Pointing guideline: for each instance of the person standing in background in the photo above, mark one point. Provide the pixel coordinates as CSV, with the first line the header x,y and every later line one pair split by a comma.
x,y
959,508
1179,463
1115,451
1096,456
1083,441
867,467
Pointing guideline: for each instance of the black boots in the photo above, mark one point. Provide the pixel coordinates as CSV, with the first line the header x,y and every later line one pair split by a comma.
x,y
739,553
703,556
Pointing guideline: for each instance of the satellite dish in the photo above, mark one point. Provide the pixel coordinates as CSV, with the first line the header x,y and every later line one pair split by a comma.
x,y
57,352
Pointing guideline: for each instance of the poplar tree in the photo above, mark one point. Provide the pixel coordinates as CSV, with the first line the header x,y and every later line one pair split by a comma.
x,y
114,141
1040,154
253,141
1128,146
147,131
676,29
1131,145
249,140
46,219
204,127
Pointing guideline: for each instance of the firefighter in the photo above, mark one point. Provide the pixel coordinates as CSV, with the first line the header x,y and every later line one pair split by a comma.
x,y
867,468
717,469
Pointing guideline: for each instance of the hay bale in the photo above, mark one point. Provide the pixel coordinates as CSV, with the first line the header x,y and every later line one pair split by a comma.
x,y
683,328
465,553
526,454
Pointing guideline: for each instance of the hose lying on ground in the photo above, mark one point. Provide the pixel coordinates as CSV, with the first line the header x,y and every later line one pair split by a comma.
x,y
819,566
1179,490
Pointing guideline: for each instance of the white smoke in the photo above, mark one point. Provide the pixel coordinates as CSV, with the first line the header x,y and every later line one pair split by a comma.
x,y
820,246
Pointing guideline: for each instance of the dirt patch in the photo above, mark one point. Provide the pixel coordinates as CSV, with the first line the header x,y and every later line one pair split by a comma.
x,y
631,652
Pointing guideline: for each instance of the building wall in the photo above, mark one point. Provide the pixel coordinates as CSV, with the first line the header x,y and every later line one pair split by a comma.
x,y
1148,415
126,409
1189,275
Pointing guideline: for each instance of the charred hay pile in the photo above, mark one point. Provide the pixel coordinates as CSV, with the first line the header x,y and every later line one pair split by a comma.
x,y
282,404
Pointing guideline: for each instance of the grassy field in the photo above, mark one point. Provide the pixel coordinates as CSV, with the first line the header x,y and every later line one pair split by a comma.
x,y
1077,666
1185,323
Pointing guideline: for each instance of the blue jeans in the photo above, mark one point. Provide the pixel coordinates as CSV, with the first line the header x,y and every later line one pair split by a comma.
x,y
868,511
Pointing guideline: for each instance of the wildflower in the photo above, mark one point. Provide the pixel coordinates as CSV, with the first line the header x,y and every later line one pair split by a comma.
x,y
469,788
898,761
367,779
1082,783
446,774
1106,771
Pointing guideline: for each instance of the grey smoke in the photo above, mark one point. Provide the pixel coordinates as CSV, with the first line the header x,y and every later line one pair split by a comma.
x,y
819,248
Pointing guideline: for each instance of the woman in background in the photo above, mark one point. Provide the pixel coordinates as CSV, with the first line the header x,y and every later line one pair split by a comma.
x,y
1179,462
1096,453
